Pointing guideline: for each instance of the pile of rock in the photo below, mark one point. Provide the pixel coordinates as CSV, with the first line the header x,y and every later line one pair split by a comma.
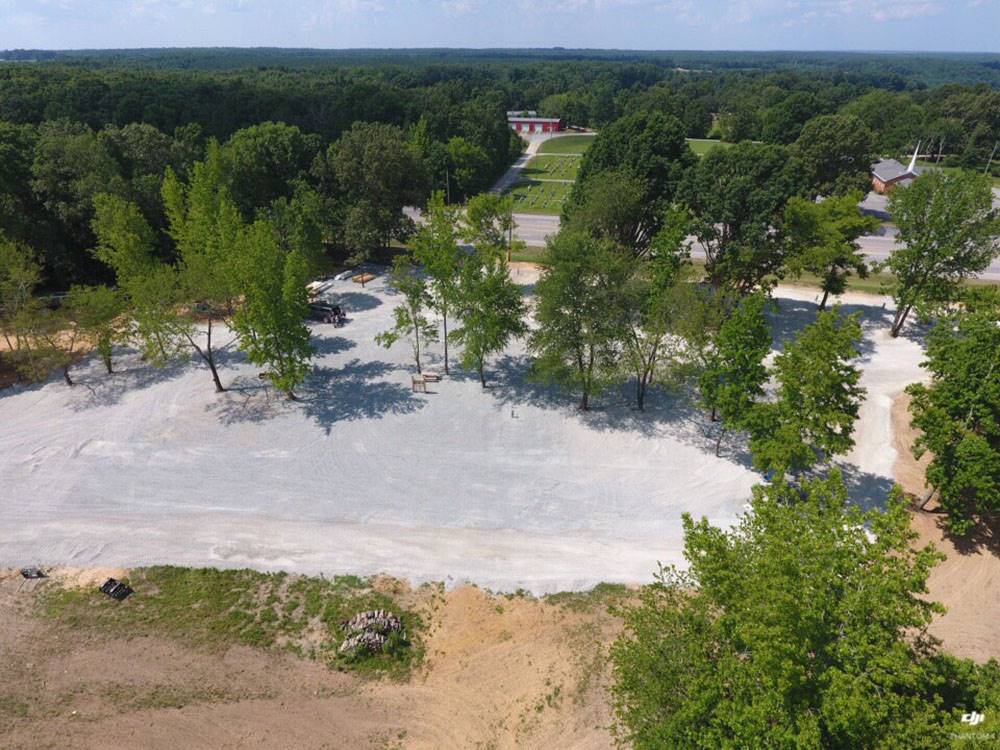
x,y
370,631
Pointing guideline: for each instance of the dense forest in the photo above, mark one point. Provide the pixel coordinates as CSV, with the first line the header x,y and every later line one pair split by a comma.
x,y
75,124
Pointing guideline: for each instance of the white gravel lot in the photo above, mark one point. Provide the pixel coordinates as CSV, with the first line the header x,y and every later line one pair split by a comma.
x,y
509,487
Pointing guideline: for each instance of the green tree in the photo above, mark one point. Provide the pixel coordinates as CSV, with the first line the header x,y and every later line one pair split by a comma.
x,y
489,308
733,381
263,163
737,196
958,411
654,304
205,225
803,627
837,152
377,173
436,248
822,240
97,313
152,288
577,340
650,149
947,233
489,223
409,319
615,208
818,398
20,273
270,323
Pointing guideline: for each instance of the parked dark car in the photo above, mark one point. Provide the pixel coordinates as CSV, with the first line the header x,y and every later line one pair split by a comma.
x,y
324,313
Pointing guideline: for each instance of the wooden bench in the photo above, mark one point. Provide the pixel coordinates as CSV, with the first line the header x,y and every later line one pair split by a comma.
x,y
418,383
432,377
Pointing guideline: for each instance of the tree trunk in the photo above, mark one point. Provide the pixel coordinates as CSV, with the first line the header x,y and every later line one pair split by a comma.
x,y
718,442
822,304
899,320
482,373
416,347
640,392
107,363
714,416
585,400
66,377
444,316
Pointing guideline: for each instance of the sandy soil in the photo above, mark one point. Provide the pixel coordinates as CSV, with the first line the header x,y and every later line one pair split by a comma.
x,y
500,673
967,582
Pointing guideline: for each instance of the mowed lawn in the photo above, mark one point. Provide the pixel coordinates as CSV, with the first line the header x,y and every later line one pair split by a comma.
x,y
566,144
552,168
534,197
702,146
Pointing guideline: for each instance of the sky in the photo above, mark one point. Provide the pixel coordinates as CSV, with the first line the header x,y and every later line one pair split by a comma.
x,y
913,25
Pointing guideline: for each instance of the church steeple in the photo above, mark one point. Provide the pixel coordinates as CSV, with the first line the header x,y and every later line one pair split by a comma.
x,y
912,169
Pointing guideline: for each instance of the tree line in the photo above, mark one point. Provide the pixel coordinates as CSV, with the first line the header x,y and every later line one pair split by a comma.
x,y
351,188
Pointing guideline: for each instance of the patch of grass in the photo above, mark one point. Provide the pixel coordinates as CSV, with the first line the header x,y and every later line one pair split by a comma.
x,y
552,167
702,146
531,196
566,144
220,608
602,595
905,159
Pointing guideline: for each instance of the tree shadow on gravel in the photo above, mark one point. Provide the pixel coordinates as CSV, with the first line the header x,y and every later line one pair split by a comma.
x,y
669,413
792,316
327,345
328,396
94,388
332,395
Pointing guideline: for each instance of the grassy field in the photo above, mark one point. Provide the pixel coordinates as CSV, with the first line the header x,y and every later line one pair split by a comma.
x,y
702,146
552,167
533,197
566,144
921,163
220,608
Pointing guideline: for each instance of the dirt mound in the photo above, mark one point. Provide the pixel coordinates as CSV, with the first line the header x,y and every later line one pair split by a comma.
x,y
499,673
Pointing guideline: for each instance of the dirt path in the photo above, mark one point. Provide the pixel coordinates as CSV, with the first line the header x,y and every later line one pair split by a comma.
x,y
499,673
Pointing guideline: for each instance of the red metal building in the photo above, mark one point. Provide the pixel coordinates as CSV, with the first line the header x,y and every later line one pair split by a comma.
x,y
529,122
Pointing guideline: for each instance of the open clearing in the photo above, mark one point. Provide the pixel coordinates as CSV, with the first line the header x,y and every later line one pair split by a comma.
x,y
702,146
540,197
566,144
508,487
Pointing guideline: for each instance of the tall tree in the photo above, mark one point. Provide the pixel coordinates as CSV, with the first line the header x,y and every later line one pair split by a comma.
x,y
436,248
205,225
733,380
958,411
377,173
805,626
489,223
737,196
20,274
409,318
270,324
97,314
263,163
489,308
654,304
818,398
837,152
947,232
823,240
650,149
577,339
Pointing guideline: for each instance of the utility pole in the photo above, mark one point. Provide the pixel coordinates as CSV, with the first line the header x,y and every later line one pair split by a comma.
x,y
990,162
